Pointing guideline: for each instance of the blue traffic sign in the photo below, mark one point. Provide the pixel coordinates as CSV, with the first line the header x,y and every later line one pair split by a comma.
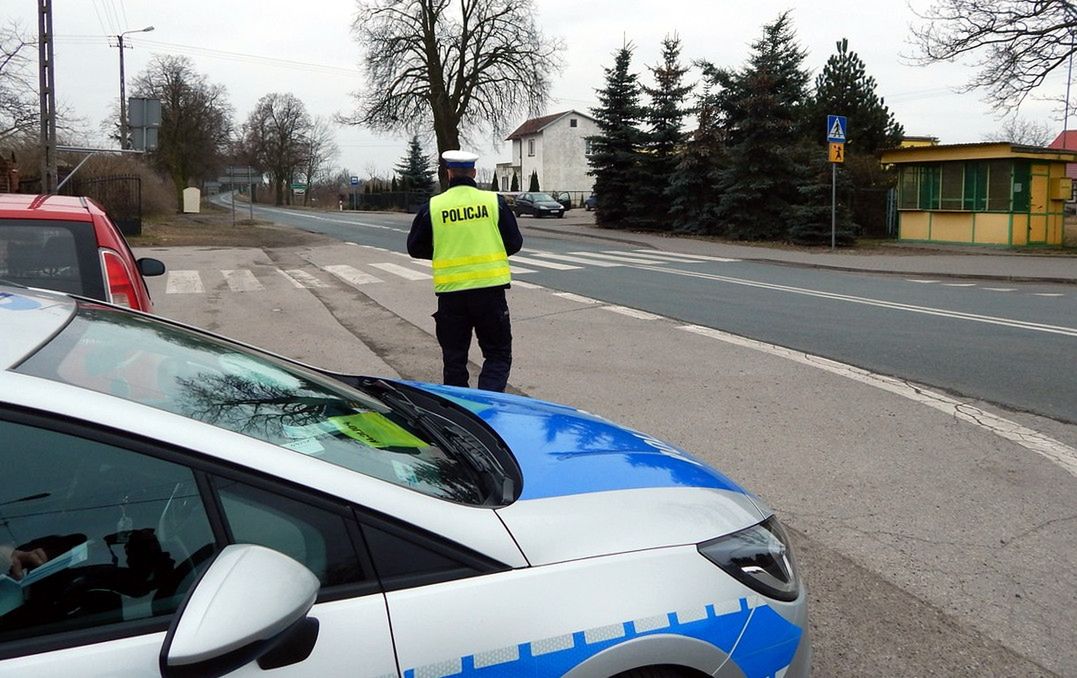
x,y
835,129
355,181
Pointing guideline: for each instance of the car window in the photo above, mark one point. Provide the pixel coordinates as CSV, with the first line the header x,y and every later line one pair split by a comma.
x,y
316,537
543,196
215,381
56,255
92,534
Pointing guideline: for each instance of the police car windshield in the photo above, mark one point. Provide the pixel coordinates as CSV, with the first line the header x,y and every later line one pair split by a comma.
x,y
208,379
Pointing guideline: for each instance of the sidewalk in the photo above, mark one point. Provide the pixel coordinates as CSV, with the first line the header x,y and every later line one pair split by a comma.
x,y
920,260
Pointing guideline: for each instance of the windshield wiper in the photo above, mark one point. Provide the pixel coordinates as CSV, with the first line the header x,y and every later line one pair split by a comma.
x,y
450,437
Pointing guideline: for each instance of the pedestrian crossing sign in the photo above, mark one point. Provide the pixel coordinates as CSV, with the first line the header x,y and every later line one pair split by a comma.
x,y
835,129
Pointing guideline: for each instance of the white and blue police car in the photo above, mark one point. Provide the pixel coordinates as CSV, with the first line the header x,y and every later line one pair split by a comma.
x,y
180,504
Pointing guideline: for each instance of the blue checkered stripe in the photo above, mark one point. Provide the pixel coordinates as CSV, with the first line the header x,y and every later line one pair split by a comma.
x,y
766,646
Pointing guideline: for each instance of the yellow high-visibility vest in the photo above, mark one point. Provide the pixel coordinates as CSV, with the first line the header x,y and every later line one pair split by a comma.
x,y
468,250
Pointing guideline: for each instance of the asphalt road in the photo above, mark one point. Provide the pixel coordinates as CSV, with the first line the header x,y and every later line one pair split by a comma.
x,y
1014,344
937,537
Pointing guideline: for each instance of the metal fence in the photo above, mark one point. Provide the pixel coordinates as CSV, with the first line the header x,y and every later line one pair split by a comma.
x,y
120,196
406,201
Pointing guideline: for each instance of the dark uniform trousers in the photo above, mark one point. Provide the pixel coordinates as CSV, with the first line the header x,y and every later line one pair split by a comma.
x,y
485,311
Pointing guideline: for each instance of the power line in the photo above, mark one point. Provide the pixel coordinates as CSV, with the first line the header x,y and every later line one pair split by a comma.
x,y
242,57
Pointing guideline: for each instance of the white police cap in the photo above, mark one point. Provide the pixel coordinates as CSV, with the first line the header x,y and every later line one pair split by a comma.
x,y
459,159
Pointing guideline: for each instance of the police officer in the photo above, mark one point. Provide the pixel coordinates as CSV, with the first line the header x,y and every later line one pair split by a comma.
x,y
469,234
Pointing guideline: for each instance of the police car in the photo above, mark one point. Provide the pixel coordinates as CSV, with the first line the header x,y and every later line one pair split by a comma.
x,y
176,503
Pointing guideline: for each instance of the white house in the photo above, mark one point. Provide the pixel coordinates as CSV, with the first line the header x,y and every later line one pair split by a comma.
x,y
554,146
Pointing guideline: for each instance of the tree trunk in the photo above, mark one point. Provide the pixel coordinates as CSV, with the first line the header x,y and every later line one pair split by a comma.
x,y
447,130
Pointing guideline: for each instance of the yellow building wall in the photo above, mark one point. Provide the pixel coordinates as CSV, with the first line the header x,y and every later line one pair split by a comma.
x,y
992,229
1020,229
951,226
913,225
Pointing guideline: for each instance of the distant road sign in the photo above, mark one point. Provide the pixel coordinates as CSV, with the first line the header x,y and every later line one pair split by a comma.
x,y
835,129
299,187
837,152
355,181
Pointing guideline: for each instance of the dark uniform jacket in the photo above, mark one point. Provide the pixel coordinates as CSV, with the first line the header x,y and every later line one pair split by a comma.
x,y
421,237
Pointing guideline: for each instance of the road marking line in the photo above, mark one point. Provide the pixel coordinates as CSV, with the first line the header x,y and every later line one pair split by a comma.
x,y
620,259
575,297
922,282
302,279
543,264
407,273
867,301
351,275
700,257
184,282
242,280
959,284
1048,294
521,269
1001,289
527,285
1049,448
632,312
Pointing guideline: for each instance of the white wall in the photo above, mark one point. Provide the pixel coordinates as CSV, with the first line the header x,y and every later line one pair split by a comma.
x,y
565,165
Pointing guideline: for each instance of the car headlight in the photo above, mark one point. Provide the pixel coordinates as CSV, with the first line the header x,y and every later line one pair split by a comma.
x,y
759,557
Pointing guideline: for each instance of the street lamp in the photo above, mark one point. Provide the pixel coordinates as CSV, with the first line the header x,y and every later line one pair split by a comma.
x,y
123,93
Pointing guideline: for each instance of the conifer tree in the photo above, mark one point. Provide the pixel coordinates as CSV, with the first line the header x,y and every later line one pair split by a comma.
x,y
763,106
664,138
515,183
493,184
394,187
415,170
693,188
844,88
533,185
614,156
810,222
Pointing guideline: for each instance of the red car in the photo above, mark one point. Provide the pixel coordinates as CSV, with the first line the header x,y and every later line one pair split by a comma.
x,y
69,244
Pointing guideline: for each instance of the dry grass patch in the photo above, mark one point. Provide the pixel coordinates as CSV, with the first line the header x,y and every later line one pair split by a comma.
x,y
213,227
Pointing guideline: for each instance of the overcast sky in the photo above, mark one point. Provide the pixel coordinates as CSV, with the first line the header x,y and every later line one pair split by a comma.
x,y
305,47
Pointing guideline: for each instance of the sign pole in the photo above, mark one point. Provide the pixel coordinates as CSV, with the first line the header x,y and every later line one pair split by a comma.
x,y
835,136
833,205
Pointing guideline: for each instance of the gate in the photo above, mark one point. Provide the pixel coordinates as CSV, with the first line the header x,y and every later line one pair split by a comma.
x,y
120,196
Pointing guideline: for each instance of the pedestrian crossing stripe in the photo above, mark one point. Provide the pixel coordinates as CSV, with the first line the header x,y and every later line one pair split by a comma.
x,y
351,275
621,258
184,282
302,279
577,260
544,264
406,273
242,280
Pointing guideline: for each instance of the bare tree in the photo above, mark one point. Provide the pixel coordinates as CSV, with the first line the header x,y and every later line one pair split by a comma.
x,y
18,85
1024,132
321,151
196,119
276,137
1014,44
451,64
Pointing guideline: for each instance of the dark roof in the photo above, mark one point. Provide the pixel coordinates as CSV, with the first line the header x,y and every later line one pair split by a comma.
x,y
535,125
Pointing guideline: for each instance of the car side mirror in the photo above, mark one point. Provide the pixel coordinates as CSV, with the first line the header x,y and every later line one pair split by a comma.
x,y
250,604
148,266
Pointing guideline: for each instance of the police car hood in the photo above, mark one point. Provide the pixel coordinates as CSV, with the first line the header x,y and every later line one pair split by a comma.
x,y
591,487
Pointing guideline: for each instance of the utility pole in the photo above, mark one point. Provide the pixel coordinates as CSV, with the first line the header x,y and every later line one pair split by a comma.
x,y
47,87
123,86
